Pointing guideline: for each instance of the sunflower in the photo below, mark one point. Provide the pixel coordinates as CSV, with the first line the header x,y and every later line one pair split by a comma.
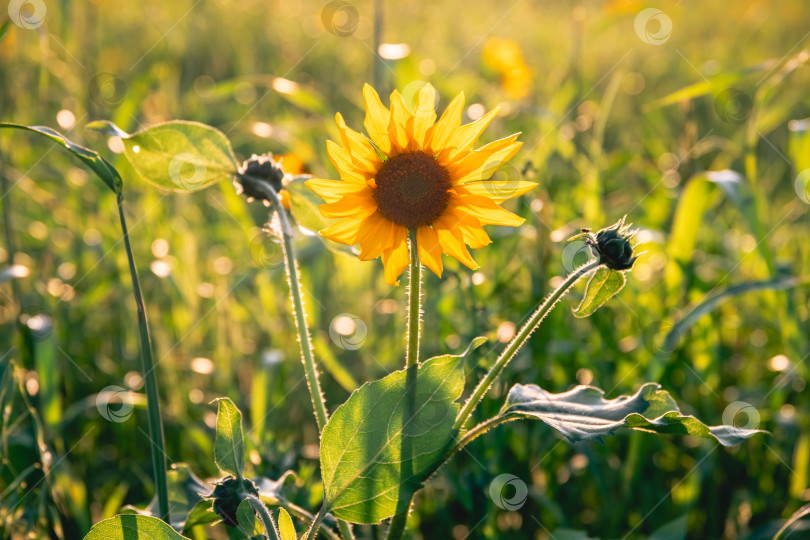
x,y
414,173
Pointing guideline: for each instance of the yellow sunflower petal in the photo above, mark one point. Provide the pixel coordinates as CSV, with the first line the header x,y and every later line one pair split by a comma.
x,y
396,259
470,227
480,164
343,232
483,208
430,251
500,190
350,206
398,124
450,121
358,146
377,117
464,137
333,191
452,241
376,235
343,163
424,115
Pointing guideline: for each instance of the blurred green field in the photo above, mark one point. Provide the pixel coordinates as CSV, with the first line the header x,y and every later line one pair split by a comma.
x,y
605,134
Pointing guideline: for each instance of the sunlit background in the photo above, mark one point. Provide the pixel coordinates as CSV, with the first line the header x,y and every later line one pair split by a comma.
x,y
626,107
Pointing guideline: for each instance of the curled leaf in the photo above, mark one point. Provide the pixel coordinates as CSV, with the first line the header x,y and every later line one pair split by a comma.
x,y
602,286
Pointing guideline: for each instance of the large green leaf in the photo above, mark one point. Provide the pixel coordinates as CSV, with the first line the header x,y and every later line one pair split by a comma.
x,y
603,285
229,445
177,155
583,414
382,443
133,527
103,169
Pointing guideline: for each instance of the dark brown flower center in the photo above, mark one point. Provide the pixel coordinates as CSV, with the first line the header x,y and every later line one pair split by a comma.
x,y
412,189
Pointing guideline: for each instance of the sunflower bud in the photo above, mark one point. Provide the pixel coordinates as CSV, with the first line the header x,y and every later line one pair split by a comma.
x,y
228,494
258,172
614,246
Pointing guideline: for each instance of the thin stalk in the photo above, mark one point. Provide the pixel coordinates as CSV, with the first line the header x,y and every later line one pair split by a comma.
x,y
270,530
307,354
150,380
517,342
396,529
414,304
312,533
345,530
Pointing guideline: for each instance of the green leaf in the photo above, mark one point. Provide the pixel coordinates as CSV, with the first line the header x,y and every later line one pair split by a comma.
x,y
133,527
388,437
229,445
304,205
100,166
186,491
285,525
202,514
246,518
602,286
177,155
714,84
583,414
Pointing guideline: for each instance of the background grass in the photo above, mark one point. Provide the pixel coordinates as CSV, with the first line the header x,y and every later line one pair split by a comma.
x,y
582,85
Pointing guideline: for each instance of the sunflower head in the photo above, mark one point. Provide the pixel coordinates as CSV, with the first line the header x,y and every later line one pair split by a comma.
x,y
413,172
259,170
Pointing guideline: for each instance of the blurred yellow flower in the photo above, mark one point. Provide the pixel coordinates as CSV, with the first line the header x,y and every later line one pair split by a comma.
x,y
415,173
505,57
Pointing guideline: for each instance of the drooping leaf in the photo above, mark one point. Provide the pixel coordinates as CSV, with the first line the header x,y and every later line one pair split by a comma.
x,y
133,527
177,155
382,443
583,414
246,518
186,491
229,445
100,166
285,525
202,514
602,286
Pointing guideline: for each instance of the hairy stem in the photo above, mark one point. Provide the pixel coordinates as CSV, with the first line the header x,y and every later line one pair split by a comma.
x,y
345,530
414,303
150,379
312,533
269,525
307,354
518,341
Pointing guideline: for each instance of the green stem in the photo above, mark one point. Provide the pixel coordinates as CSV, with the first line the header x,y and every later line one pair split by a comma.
x,y
150,380
345,530
517,342
312,533
396,529
270,530
307,354
414,303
